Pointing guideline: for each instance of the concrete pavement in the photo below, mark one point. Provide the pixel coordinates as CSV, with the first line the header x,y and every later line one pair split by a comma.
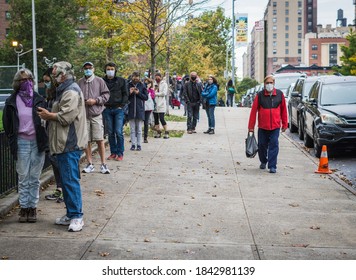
x,y
196,197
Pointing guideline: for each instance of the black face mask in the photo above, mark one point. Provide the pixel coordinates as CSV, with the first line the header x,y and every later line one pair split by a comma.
x,y
193,78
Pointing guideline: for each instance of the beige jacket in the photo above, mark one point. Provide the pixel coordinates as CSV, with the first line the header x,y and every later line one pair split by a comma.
x,y
69,132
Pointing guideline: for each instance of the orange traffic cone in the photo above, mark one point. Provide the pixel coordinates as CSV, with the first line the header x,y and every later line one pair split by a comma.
x,y
323,162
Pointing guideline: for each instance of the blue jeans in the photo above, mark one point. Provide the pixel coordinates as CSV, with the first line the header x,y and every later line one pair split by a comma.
x,y
230,99
136,131
268,146
211,115
29,167
114,118
68,164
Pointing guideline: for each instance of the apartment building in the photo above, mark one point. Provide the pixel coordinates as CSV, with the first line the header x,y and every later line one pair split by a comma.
x,y
323,48
287,22
5,17
257,49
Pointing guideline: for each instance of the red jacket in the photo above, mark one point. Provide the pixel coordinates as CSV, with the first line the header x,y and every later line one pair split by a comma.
x,y
272,111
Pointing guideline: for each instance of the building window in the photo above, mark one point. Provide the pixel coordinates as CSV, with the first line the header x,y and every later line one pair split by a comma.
x,y
286,59
274,20
287,43
314,56
299,27
299,19
287,36
287,27
299,51
299,4
287,51
287,12
287,4
333,48
274,28
274,4
299,43
287,19
7,15
274,35
275,59
314,47
274,12
299,35
7,31
274,51
300,11
274,44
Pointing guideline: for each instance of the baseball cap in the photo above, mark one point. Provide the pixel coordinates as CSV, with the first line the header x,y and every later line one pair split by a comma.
x,y
88,63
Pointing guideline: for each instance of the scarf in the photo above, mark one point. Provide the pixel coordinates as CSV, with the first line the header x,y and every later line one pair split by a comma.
x,y
26,93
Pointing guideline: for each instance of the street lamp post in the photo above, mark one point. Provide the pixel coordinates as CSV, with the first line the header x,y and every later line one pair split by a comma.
x,y
18,48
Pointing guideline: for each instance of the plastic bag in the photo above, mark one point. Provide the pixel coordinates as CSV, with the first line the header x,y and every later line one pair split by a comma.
x,y
251,145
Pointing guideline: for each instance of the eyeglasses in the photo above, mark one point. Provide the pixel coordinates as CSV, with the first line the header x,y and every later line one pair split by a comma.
x,y
267,83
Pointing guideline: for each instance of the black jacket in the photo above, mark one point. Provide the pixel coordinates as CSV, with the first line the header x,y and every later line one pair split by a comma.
x,y
118,92
137,101
11,123
188,93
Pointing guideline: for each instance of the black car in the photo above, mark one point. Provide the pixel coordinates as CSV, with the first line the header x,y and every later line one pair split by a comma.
x,y
296,101
330,114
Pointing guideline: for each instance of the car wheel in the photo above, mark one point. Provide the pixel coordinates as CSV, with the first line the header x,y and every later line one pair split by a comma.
x,y
317,148
300,128
291,126
308,141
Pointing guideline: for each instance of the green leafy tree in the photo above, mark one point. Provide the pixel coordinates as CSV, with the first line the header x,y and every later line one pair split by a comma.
x,y
245,84
56,22
349,57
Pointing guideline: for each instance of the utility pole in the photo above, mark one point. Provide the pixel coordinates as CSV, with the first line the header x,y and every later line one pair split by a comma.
x,y
34,47
233,43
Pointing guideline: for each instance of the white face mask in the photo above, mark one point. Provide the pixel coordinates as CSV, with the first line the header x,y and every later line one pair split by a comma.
x,y
269,87
210,82
110,73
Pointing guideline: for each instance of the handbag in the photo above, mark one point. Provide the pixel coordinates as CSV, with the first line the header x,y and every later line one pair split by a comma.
x,y
149,104
251,145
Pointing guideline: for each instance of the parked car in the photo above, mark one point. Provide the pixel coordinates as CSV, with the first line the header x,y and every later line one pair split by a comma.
x,y
295,105
330,114
3,98
283,80
288,95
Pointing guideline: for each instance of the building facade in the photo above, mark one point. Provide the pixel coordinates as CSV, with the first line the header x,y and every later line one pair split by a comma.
x,y
287,22
5,17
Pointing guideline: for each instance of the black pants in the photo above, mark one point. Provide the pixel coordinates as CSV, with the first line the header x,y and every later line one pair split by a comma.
x,y
159,117
145,124
193,115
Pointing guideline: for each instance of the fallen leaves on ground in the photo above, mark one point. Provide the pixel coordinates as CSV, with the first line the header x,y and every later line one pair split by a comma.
x,y
294,204
104,254
99,192
315,227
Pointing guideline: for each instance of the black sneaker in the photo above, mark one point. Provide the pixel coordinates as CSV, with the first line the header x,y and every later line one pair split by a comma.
x,y
32,215
138,148
55,195
132,148
60,199
23,215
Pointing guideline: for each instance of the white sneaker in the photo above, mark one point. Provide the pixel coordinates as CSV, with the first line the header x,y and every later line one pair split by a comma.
x,y
104,169
64,221
89,168
76,224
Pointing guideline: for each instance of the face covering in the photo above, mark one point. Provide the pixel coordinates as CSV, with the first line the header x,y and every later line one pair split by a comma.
x,y
110,73
26,92
88,72
269,87
47,84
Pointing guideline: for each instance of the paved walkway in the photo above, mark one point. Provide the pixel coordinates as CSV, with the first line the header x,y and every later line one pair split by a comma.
x,y
197,197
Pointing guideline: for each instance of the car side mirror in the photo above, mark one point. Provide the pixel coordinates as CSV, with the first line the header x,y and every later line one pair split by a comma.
x,y
296,94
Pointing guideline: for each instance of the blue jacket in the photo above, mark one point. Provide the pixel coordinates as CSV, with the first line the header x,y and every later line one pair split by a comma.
x,y
210,93
137,101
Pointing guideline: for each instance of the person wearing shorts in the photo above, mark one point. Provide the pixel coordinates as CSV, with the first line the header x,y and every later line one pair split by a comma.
x,y
96,94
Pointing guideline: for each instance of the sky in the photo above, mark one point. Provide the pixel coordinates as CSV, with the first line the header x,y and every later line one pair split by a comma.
x,y
327,14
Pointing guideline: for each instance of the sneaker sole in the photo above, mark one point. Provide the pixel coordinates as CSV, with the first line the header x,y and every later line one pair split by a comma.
x,y
88,171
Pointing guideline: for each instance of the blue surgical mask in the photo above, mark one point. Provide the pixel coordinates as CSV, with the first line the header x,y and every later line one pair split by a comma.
x,y
88,72
47,84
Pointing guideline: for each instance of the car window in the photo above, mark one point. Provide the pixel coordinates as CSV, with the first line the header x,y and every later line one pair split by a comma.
x,y
299,86
307,86
314,91
284,82
336,94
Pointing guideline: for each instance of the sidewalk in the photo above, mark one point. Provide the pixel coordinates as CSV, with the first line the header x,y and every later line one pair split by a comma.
x,y
196,197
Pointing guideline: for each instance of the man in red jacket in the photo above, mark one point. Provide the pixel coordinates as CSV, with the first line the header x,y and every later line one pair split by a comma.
x,y
272,114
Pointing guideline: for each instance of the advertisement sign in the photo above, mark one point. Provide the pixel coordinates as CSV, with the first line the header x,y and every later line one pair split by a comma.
x,y
241,30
